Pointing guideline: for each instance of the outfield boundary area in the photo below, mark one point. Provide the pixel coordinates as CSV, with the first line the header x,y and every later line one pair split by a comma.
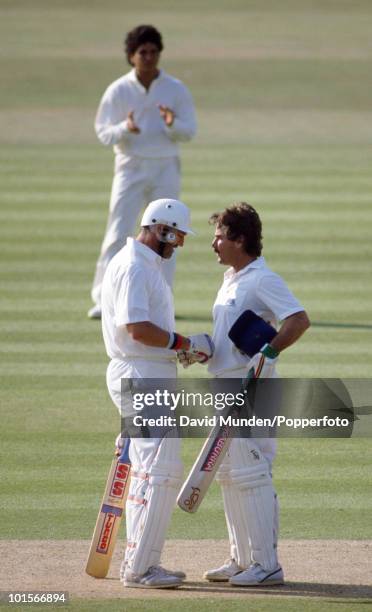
x,y
313,568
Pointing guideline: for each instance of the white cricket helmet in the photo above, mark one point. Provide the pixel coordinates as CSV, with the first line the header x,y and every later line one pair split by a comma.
x,y
173,213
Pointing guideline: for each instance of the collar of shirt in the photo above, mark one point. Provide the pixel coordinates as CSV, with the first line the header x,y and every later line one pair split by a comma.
x,y
140,249
132,76
256,263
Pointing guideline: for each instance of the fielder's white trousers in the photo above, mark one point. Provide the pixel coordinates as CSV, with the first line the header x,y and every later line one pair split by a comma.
x,y
155,476
136,182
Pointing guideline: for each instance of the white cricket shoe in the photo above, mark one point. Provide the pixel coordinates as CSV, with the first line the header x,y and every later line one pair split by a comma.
x,y
95,312
155,578
223,573
255,575
179,573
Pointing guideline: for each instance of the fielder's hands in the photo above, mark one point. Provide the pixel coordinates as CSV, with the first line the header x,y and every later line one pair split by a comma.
x,y
167,114
262,364
201,348
131,124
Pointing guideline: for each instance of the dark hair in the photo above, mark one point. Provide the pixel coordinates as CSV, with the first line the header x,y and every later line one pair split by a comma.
x,y
241,221
139,36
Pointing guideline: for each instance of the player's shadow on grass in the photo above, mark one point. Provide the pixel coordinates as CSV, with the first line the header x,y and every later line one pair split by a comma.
x,y
289,589
207,318
341,325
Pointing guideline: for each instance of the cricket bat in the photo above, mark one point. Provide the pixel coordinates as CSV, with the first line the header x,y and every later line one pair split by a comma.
x,y
208,461
109,516
204,469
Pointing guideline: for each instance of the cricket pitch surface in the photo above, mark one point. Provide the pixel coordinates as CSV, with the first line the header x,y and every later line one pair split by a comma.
x,y
312,568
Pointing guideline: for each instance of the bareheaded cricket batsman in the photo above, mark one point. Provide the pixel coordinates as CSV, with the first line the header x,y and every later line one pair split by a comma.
x,y
250,502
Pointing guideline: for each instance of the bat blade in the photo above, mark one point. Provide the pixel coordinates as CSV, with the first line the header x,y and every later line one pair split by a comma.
x,y
208,461
204,469
109,516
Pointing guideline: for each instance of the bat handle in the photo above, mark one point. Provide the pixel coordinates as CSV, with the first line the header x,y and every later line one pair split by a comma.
x,y
124,455
248,378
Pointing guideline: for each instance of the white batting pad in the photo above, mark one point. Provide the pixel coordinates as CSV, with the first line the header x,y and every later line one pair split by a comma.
x,y
142,453
150,517
236,518
257,497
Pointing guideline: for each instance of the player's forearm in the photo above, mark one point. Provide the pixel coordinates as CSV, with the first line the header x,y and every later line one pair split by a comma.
x,y
151,335
148,333
110,124
291,330
110,135
182,130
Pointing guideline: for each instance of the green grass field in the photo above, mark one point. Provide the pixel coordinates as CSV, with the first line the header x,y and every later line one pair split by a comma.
x,y
284,95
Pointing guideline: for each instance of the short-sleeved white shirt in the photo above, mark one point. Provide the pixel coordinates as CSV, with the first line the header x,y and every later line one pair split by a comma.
x,y
134,290
256,288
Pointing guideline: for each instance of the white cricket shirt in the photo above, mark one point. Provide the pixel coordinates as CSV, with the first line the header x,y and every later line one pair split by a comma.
x,y
155,139
134,290
256,288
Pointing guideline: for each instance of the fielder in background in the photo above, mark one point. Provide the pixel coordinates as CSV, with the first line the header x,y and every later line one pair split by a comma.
x,y
143,115
138,323
250,502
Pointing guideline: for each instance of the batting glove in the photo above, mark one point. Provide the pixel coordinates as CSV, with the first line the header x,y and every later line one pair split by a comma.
x,y
201,347
188,359
262,364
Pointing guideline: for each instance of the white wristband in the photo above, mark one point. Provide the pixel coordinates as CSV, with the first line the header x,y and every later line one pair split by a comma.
x,y
171,340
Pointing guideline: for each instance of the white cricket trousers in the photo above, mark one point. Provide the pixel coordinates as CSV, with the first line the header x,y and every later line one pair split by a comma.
x,y
137,182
